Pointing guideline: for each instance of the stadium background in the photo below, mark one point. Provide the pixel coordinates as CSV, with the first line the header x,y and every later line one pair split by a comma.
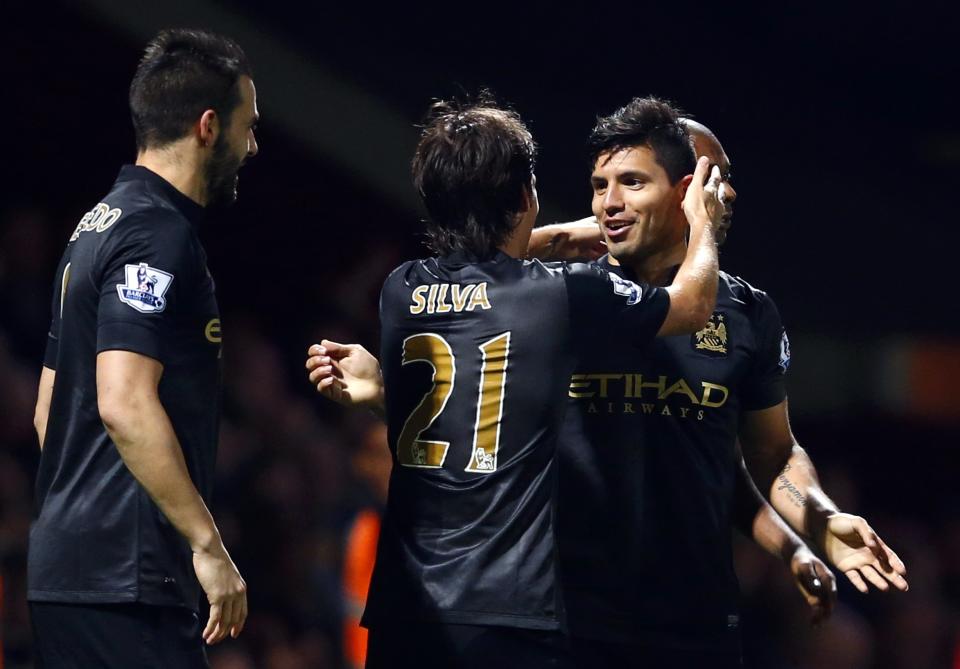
x,y
845,143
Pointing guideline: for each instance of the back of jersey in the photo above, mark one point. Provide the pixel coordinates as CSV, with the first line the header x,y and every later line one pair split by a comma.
x,y
475,357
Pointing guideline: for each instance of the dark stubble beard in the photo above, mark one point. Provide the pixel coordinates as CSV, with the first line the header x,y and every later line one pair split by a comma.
x,y
222,175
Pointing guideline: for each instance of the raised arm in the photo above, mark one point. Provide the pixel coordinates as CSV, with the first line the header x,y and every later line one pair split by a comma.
x,y
755,518
783,468
42,411
693,293
129,405
577,240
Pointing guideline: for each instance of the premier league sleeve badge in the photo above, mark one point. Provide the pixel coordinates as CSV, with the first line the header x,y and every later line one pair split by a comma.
x,y
144,288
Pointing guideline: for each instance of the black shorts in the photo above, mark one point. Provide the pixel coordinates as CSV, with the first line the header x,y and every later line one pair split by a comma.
x,y
591,653
116,636
449,646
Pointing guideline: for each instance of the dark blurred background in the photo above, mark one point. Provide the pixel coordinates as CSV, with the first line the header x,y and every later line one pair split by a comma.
x,y
841,124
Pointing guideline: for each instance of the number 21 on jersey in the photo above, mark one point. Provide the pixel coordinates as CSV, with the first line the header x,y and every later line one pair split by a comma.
x,y
412,451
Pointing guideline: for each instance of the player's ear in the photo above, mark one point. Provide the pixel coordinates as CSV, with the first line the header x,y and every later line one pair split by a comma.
x,y
208,128
682,187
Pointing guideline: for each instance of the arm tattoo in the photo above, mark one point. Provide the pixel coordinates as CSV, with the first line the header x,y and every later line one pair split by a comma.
x,y
793,492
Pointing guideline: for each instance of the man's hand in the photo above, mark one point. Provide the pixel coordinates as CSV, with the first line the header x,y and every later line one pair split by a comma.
x,y
815,582
577,240
702,199
226,592
346,373
854,548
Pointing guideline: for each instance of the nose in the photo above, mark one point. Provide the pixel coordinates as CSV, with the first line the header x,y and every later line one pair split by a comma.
x,y
252,146
612,200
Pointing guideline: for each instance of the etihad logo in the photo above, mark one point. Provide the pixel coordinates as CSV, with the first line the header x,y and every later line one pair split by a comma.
x,y
654,394
442,298
712,339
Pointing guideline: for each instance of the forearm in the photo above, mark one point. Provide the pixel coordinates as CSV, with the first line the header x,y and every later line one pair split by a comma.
x,y
148,445
755,518
550,242
693,293
796,494
41,414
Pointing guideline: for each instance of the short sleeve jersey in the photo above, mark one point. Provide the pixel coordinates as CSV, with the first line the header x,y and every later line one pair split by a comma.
x,y
134,278
647,468
476,360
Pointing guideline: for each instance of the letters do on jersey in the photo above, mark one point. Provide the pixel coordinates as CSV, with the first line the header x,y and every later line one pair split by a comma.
x,y
442,298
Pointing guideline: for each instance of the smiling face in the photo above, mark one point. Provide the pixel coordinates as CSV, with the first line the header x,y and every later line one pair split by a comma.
x,y
638,209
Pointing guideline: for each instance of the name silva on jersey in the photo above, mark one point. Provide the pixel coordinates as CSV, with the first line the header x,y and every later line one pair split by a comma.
x,y
432,299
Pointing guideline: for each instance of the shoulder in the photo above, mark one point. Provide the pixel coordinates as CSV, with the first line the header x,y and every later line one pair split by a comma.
x,y
743,292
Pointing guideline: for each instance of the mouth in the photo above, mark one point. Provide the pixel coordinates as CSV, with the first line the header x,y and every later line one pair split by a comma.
x,y
617,229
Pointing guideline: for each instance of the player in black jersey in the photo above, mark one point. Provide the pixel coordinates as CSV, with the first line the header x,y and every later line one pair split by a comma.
x,y
127,412
477,347
649,462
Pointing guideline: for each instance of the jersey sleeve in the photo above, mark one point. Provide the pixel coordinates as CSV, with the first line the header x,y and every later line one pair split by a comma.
x,y
148,269
605,306
765,385
59,291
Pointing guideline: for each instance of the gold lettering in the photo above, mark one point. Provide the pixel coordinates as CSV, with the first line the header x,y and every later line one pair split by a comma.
x,y
592,408
461,294
603,379
679,387
609,407
432,299
628,407
419,301
640,384
707,388
442,306
647,408
479,298
684,411
577,382
700,415
666,411
212,331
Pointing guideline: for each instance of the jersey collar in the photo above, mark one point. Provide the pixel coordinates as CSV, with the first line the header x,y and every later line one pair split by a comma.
x,y
193,211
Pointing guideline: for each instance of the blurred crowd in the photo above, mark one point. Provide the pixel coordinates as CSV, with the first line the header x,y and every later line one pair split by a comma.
x,y
293,473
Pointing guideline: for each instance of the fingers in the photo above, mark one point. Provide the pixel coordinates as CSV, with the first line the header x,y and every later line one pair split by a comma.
x,y
879,582
713,183
854,577
213,624
238,627
700,173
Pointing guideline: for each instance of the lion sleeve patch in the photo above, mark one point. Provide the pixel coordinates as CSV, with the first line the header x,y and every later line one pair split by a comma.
x,y
144,288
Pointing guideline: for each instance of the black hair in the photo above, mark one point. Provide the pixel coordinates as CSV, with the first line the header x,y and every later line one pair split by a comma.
x,y
649,122
472,167
183,73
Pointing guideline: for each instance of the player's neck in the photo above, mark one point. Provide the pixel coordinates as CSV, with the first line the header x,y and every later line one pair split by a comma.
x,y
516,244
658,268
179,169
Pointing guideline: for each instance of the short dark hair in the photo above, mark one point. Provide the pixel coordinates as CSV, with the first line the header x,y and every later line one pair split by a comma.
x,y
472,166
649,122
183,73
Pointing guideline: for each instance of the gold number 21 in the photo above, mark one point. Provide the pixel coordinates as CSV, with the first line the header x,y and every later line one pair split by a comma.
x,y
412,451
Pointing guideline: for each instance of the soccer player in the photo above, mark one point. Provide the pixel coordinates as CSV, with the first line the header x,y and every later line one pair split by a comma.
x,y
648,453
477,347
127,412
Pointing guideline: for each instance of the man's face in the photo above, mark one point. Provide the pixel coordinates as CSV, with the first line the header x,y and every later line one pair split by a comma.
x,y
707,145
235,144
636,206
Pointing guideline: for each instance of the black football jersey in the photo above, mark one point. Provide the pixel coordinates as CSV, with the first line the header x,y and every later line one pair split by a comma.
x,y
476,360
647,467
134,278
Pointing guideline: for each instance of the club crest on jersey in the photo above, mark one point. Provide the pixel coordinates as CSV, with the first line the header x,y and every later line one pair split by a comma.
x,y
784,352
144,288
628,289
712,340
